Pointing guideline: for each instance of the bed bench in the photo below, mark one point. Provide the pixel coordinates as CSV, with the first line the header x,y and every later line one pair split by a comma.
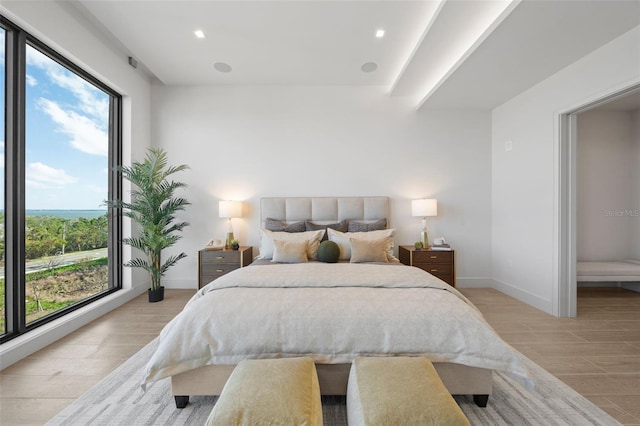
x,y
270,391
616,271
399,391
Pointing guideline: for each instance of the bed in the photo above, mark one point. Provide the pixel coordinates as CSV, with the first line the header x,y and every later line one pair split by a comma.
x,y
332,312
611,271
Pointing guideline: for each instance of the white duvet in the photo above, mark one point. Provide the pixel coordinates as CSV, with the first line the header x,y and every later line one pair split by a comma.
x,y
332,313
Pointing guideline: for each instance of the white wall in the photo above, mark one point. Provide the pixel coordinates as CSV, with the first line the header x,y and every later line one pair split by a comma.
x,y
60,27
525,180
605,186
635,178
245,143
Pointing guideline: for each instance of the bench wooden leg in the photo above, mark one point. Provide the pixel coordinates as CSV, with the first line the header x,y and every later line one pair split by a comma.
x,y
181,400
481,400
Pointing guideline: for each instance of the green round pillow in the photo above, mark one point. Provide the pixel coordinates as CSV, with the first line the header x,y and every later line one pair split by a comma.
x,y
328,252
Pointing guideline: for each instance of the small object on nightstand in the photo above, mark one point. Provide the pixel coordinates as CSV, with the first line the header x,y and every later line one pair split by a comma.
x,y
418,245
440,264
214,245
441,247
214,264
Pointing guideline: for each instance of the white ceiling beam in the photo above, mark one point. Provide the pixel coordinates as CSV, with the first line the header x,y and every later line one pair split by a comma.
x,y
417,45
491,26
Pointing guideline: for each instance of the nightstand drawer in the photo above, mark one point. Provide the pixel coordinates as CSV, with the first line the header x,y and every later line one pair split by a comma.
x,y
429,256
219,256
206,279
218,268
436,268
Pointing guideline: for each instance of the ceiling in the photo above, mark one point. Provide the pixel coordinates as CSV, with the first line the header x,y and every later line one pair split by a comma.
x,y
441,54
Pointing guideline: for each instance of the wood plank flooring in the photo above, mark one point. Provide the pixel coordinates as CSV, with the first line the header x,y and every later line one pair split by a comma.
x,y
597,353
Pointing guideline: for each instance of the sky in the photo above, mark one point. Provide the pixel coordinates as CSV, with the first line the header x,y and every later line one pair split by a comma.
x,y
66,136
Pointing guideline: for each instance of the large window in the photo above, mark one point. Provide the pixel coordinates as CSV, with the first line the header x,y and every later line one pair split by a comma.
x,y
60,142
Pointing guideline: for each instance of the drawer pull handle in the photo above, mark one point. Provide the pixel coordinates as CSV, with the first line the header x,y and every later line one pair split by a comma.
x,y
219,270
433,270
219,257
434,257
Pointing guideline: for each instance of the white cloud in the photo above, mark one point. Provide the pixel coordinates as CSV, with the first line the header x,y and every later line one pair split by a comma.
x,y
86,120
31,80
91,100
86,94
85,134
39,175
1,155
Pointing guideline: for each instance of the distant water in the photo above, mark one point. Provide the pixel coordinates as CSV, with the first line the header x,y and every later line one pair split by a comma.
x,y
67,214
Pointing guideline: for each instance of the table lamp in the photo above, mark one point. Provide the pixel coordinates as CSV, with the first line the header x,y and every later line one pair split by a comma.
x,y
424,208
229,209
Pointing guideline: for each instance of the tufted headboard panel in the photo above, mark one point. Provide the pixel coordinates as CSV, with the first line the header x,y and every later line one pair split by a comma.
x,y
324,209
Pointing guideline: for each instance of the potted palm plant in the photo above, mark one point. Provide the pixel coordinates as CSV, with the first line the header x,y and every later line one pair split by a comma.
x,y
153,207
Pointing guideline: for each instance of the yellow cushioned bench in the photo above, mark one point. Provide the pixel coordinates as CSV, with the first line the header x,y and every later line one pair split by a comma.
x,y
399,391
281,391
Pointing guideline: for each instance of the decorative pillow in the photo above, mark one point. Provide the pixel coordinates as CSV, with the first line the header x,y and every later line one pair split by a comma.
x,y
341,226
342,239
267,237
378,225
328,252
369,250
290,251
280,226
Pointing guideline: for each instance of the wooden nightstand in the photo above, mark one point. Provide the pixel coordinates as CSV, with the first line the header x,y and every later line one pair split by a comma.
x,y
438,263
215,263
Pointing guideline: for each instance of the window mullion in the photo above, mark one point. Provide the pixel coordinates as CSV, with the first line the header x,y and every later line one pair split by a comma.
x,y
15,180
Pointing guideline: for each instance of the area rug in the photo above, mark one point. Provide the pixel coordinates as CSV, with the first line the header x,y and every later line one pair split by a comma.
x,y
119,400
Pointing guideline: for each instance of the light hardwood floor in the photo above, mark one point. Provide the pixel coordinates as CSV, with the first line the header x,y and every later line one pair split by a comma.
x,y
597,353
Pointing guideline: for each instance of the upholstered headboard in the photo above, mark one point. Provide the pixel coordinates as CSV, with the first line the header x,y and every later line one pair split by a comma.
x,y
324,209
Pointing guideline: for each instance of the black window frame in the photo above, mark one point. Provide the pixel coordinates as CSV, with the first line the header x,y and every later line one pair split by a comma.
x,y
16,41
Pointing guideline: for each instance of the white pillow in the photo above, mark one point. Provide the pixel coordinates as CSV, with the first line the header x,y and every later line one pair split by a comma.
x,y
342,240
290,251
312,237
369,250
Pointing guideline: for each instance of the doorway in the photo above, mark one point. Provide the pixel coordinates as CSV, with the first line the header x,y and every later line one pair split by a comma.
x,y
567,196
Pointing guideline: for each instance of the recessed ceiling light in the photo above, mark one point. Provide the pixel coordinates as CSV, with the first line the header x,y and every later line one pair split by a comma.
x,y
222,67
369,67
199,33
380,33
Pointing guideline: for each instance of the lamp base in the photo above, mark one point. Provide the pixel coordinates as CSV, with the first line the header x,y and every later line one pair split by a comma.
x,y
227,244
424,238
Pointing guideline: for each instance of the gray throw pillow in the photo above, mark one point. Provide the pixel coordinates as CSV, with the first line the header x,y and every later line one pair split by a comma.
x,y
341,226
378,225
280,226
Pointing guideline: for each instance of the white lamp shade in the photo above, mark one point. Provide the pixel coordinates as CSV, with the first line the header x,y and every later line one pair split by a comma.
x,y
230,209
424,207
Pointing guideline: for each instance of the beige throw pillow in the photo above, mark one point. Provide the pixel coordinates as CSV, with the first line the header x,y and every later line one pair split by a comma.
x,y
290,251
342,239
369,250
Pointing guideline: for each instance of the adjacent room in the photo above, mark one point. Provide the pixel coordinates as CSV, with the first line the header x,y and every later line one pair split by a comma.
x,y
608,243
332,197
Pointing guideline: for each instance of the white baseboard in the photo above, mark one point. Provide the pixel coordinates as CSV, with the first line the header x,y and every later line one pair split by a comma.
x,y
524,296
28,343
180,284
